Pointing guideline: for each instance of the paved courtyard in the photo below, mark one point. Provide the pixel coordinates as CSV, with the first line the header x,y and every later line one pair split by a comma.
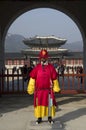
x,y
16,113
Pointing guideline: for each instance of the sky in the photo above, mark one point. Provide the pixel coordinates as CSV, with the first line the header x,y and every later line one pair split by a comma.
x,y
46,22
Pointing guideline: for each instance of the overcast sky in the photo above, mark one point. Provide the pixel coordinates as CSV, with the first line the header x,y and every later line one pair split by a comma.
x,y
45,22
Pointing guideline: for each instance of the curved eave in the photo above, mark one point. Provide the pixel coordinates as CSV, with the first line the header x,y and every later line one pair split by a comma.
x,y
44,42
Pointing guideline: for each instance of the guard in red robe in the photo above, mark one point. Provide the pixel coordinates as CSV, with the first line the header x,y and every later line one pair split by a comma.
x,y
43,83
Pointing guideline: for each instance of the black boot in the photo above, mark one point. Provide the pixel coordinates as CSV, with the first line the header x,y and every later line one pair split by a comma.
x,y
50,120
39,120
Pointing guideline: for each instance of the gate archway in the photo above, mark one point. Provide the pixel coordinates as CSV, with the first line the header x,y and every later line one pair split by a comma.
x,y
60,8
71,9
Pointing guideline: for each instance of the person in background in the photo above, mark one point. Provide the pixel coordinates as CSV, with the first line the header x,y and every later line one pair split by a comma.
x,y
30,68
43,83
25,72
61,70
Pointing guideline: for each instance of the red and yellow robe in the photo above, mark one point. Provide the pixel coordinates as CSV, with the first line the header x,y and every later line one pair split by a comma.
x,y
41,79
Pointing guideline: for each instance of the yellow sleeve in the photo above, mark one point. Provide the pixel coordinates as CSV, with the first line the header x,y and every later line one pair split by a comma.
x,y
56,87
31,86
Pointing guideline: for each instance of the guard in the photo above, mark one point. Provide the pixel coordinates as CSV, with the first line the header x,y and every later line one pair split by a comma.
x,y
43,83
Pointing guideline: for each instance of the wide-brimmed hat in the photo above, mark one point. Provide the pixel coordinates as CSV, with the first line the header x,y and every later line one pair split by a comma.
x,y
43,54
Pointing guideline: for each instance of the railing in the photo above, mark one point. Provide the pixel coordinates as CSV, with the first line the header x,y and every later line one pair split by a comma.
x,y
16,83
12,83
72,83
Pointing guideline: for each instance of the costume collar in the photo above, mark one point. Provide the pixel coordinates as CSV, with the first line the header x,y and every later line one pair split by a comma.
x,y
46,63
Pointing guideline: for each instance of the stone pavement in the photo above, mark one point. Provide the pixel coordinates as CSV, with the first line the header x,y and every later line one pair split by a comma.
x,y
16,113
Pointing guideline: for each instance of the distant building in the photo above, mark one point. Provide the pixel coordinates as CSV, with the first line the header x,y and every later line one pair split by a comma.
x,y
57,55
18,59
51,43
15,60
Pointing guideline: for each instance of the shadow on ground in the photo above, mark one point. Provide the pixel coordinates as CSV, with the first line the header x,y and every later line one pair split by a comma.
x,y
71,116
65,99
15,102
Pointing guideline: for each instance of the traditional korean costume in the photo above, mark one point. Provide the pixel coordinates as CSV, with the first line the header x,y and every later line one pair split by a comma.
x,y
43,81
